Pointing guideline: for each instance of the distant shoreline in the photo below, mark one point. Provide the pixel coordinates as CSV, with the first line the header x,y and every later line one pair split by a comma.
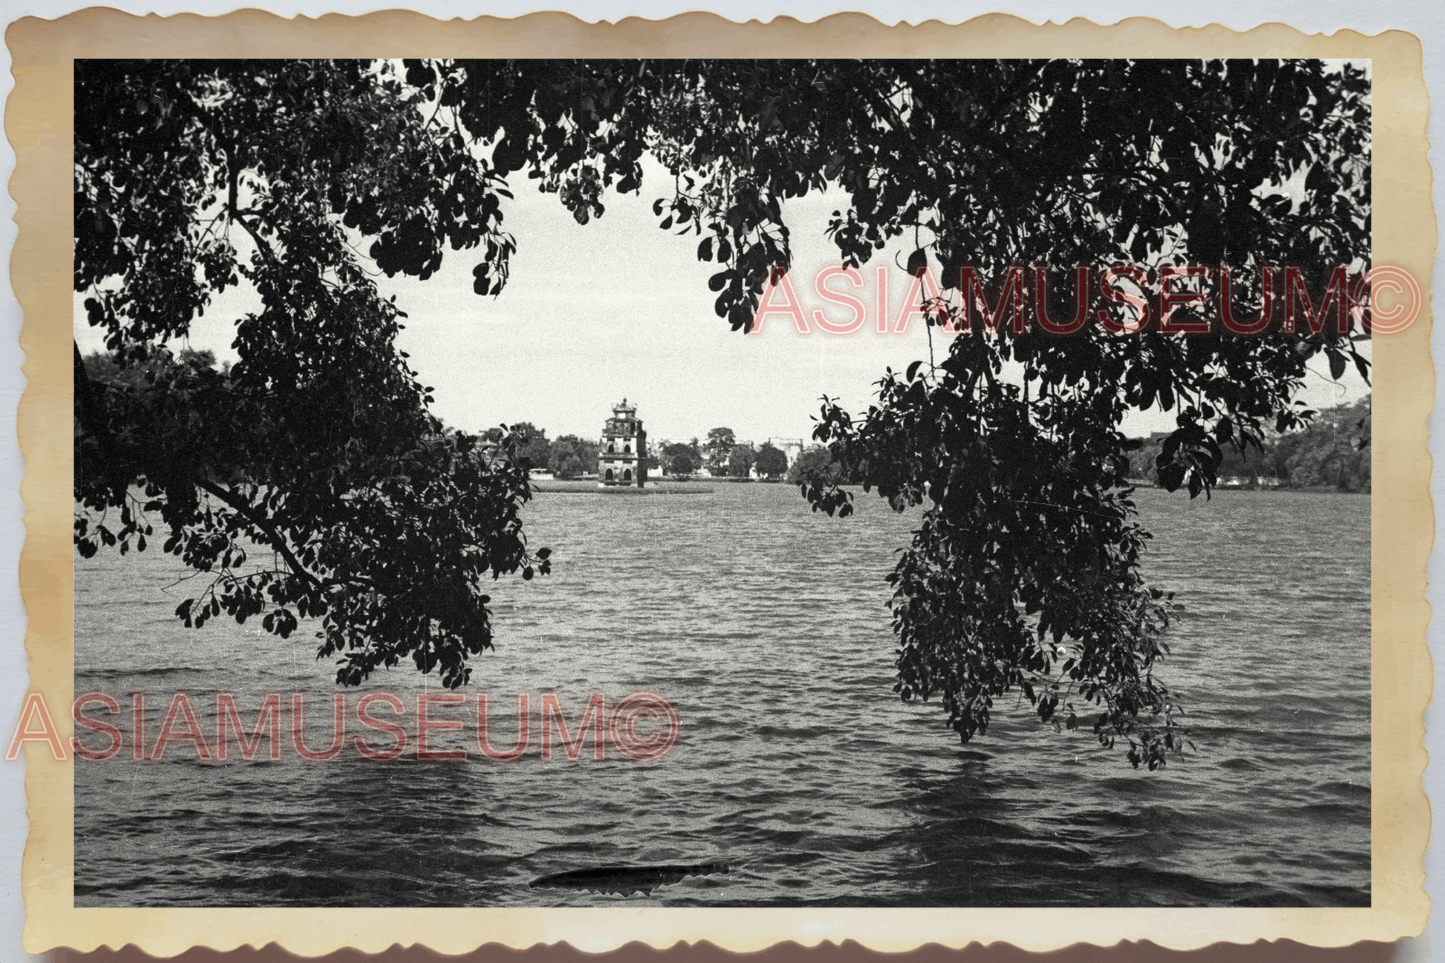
x,y
589,486
1296,490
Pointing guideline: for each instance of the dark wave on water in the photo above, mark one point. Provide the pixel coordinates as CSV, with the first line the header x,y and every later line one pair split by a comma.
x,y
796,766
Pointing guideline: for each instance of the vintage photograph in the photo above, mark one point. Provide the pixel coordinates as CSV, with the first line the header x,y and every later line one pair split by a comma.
x,y
741,483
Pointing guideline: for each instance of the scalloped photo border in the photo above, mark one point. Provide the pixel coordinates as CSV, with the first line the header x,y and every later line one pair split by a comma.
x,y
38,123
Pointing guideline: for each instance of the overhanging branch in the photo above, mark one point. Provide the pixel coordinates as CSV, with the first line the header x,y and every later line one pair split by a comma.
x,y
275,538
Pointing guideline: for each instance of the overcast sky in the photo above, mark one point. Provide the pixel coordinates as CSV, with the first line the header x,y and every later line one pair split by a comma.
x,y
619,308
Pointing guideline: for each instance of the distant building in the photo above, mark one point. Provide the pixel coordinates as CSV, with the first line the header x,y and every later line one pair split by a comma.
x,y
622,460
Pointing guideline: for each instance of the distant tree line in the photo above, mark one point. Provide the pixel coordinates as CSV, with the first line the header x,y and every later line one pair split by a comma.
x,y
681,458
1333,451
569,456
726,457
102,367
817,464
1330,452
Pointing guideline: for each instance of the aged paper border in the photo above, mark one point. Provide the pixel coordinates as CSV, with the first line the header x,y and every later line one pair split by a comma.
x,y
38,124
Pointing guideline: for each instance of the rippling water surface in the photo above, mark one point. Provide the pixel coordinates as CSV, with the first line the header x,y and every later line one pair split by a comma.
x,y
796,765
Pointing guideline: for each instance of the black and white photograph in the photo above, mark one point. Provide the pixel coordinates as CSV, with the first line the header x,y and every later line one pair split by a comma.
x,y
723,483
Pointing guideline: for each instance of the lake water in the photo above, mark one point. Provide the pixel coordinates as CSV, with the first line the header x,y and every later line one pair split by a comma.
x,y
796,765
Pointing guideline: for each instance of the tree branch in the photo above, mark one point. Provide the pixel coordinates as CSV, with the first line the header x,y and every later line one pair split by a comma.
x,y
277,542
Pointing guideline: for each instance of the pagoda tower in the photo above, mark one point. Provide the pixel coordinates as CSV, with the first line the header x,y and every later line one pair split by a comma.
x,y
622,458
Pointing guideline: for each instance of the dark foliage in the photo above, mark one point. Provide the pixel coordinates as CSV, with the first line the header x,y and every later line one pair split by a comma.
x,y
572,456
194,177
815,467
771,463
681,459
1332,451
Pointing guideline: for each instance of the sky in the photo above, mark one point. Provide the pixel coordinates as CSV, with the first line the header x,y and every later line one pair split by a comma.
x,y
618,308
